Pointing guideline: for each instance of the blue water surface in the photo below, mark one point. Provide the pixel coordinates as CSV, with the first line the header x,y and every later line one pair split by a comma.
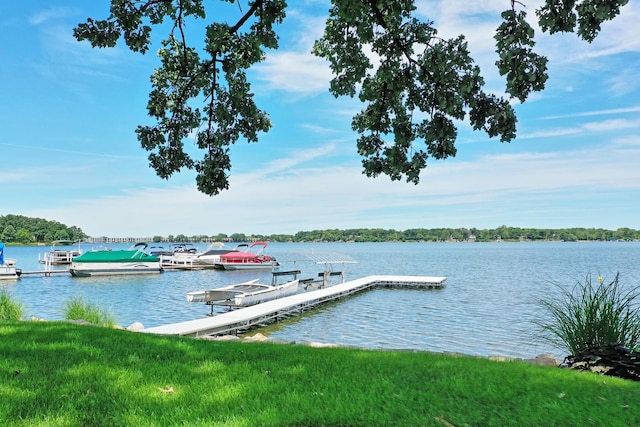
x,y
487,306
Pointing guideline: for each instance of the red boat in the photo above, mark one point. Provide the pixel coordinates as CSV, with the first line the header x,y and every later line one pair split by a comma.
x,y
247,260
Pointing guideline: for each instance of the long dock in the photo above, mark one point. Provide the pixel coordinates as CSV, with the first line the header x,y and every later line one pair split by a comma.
x,y
236,321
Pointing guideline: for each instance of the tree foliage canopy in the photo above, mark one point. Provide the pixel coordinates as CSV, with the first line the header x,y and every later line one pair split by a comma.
x,y
26,230
413,84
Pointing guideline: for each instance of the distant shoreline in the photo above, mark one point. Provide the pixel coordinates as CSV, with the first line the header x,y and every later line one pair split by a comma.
x,y
131,240
18,229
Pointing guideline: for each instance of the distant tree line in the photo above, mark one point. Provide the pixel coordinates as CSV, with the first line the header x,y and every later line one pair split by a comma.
x,y
24,230
502,233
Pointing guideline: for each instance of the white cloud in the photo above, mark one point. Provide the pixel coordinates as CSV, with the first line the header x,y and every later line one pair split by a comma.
x,y
585,128
629,141
293,68
11,177
296,72
301,198
622,110
625,82
50,14
609,125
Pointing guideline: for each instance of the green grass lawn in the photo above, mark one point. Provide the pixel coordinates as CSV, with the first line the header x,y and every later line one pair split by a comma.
x,y
62,374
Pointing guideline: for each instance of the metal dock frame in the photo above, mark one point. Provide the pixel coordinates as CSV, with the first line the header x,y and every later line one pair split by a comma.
x,y
244,319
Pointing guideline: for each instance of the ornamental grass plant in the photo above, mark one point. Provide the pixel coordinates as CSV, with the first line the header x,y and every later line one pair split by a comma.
x,y
593,315
9,308
79,309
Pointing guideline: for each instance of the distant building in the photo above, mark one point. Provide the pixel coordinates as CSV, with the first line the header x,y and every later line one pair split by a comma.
x,y
104,239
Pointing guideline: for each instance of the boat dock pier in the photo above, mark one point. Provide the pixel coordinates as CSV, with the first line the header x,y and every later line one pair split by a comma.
x,y
237,321
46,273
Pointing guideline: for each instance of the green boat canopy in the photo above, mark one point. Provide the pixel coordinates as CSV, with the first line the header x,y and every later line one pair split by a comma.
x,y
116,256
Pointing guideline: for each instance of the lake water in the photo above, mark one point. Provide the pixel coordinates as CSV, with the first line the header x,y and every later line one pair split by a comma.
x,y
486,307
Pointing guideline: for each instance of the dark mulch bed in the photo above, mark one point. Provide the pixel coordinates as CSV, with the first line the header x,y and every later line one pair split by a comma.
x,y
613,360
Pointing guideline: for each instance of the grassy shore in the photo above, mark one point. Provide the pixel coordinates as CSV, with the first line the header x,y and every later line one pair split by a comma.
x,y
62,374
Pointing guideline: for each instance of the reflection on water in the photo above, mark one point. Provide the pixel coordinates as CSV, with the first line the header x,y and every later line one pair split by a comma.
x,y
486,307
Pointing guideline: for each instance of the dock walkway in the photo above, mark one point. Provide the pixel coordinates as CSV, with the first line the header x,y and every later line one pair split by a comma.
x,y
243,319
46,273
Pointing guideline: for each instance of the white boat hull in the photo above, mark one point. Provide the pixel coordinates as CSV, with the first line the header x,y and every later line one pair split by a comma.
x,y
8,271
182,258
244,294
207,259
88,269
219,294
268,294
245,265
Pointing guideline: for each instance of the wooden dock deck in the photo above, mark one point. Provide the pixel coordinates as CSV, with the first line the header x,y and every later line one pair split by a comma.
x,y
243,319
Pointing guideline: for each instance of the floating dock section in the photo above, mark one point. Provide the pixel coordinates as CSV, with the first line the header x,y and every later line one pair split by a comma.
x,y
240,320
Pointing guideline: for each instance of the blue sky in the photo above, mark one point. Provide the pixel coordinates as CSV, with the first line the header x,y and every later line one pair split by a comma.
x,y
69,153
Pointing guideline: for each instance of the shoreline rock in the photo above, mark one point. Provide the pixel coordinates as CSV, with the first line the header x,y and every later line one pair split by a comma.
x,y
544,359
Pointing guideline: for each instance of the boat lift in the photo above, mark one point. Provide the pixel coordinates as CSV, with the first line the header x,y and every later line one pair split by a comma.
x,y
329,260
321,281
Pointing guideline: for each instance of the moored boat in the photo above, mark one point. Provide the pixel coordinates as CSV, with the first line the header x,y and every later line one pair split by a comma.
x,y
114,262
211,255
246,260
179,254
62,252
159,251
8,270
244,294
183,248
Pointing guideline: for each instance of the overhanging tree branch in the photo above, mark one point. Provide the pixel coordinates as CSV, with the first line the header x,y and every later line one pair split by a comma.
x,y
411,101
